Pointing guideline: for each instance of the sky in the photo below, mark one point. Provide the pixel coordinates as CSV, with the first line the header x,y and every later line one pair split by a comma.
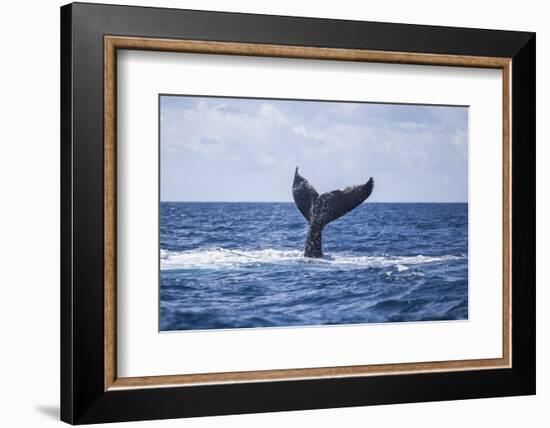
x,y
243,149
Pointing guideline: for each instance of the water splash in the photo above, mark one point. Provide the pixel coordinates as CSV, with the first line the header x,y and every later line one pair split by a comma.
x,y
222,258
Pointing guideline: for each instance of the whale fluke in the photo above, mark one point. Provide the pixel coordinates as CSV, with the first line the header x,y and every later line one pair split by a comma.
x,y
319,210
304,194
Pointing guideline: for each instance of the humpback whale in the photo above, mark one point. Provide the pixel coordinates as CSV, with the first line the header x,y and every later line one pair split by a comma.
x,y
319,210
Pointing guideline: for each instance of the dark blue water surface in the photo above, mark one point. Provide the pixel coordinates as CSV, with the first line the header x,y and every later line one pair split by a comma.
x,y
234,265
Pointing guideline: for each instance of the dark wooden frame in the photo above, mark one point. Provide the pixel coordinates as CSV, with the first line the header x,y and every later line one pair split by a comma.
x,y
89,33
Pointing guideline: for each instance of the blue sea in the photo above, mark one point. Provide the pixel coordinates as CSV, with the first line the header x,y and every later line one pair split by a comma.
x,y
241,265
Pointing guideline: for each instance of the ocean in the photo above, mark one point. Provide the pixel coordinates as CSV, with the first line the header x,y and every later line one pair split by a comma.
x,y
241,265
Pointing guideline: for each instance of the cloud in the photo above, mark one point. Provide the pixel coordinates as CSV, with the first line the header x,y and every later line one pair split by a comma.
x,y
231,149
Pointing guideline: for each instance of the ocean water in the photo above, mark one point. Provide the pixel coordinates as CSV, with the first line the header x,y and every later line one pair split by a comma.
x,y
241,265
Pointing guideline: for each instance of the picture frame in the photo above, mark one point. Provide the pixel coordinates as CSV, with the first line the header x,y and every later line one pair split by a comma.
x,y
91,390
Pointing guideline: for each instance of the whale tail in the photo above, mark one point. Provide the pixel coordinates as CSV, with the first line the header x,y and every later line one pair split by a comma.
x,y
319,210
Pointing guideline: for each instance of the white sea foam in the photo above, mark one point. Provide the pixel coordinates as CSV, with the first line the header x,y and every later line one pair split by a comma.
x,y
219,258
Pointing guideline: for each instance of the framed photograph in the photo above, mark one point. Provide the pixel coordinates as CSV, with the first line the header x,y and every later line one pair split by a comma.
x,y
265,213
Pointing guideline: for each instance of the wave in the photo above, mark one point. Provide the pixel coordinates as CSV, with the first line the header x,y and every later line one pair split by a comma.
x,y
222,258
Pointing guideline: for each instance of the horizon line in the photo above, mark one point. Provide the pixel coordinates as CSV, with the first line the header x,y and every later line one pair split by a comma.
x,y
291,202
